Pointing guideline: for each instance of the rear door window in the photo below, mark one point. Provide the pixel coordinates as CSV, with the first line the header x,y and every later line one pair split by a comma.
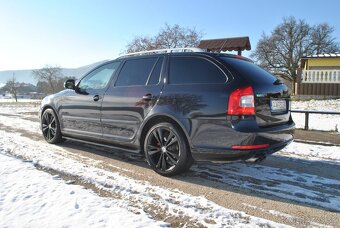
x,y
136,72
194,70
156,73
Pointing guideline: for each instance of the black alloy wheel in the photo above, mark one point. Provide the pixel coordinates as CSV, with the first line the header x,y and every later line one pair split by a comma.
x,y
166,150
50,127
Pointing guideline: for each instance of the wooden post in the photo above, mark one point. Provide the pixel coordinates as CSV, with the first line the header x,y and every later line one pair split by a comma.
x,y
306,120
296,88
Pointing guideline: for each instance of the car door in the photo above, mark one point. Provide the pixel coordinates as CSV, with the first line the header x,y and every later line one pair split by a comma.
x,y
80,110
130,98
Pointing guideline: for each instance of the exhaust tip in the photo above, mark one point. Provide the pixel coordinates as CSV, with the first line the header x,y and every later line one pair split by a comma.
x,y
256,158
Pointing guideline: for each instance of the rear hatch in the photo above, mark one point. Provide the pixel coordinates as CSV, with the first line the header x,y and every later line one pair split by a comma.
x,y
272,99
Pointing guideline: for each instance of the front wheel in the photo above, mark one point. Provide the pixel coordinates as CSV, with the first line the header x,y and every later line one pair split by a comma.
x,y
166,150
50,127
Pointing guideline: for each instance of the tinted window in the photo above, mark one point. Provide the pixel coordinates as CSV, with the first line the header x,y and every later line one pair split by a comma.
x,y
188,70
98,78
135,72
250,71
156,73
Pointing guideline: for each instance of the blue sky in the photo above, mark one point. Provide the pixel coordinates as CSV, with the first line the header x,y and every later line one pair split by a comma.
x,y
73,33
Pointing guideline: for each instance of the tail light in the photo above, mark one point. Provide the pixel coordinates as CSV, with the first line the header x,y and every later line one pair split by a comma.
x,y
241,102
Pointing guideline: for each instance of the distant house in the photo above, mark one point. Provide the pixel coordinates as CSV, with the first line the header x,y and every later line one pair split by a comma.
x,y
319,76
6,96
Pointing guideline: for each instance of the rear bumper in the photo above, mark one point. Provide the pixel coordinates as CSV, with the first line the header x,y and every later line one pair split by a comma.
x,y
277,137
230,154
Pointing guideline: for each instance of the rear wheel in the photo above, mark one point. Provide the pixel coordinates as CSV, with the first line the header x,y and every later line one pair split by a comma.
x,y
167,150
50,127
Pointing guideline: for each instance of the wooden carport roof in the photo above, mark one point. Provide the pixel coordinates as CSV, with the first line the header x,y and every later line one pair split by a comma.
x,y
238,44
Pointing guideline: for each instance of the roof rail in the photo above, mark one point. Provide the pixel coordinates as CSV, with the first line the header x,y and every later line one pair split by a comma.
x,y
170,50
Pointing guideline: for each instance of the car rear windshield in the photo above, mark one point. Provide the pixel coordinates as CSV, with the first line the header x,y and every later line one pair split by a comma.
x,y
250,71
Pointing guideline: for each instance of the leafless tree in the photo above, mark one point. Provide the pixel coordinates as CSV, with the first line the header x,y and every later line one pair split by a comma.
x,y
177,37
170,36
322,41
142,43
281,51
12,87
51,75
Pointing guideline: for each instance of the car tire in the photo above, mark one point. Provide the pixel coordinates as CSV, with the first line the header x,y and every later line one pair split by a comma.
x,y
166,149
50,127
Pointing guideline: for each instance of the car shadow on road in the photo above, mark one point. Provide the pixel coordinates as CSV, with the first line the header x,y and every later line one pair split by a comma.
x,y
292,180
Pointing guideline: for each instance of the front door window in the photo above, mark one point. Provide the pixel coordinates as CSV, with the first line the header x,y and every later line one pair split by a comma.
x,y
98,79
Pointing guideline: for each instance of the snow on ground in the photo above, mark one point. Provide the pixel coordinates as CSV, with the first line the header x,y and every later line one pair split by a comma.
x,y
141,194
32,198
318,121
12,100
312,152
320,105
19,108
19,122
23,116
284,215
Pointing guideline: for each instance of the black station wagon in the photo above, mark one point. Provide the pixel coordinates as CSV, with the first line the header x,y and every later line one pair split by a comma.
x,y
175,106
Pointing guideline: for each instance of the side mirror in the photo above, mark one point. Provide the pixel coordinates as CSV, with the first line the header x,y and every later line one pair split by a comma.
x,y
70,84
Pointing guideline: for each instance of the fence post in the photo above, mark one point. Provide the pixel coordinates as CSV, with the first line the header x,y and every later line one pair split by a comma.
x,y
307,112
306,120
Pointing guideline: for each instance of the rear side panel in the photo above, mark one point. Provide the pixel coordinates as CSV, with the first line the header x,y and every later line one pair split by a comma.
x,y
203,107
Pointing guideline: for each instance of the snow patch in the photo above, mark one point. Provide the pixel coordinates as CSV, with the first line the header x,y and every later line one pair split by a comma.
x,y
12,100
273,212
312,152
32,198
318,121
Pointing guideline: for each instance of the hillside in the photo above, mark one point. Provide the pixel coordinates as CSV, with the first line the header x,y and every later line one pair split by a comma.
x,y
26,76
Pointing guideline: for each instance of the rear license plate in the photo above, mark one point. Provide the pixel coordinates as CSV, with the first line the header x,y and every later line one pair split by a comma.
x,y
278,105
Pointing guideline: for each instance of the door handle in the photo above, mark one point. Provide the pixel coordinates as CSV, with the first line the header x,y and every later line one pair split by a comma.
x,y
96,97
147,96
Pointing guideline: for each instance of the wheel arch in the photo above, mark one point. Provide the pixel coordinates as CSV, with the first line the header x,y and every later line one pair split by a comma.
x,y
182,125
47,106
